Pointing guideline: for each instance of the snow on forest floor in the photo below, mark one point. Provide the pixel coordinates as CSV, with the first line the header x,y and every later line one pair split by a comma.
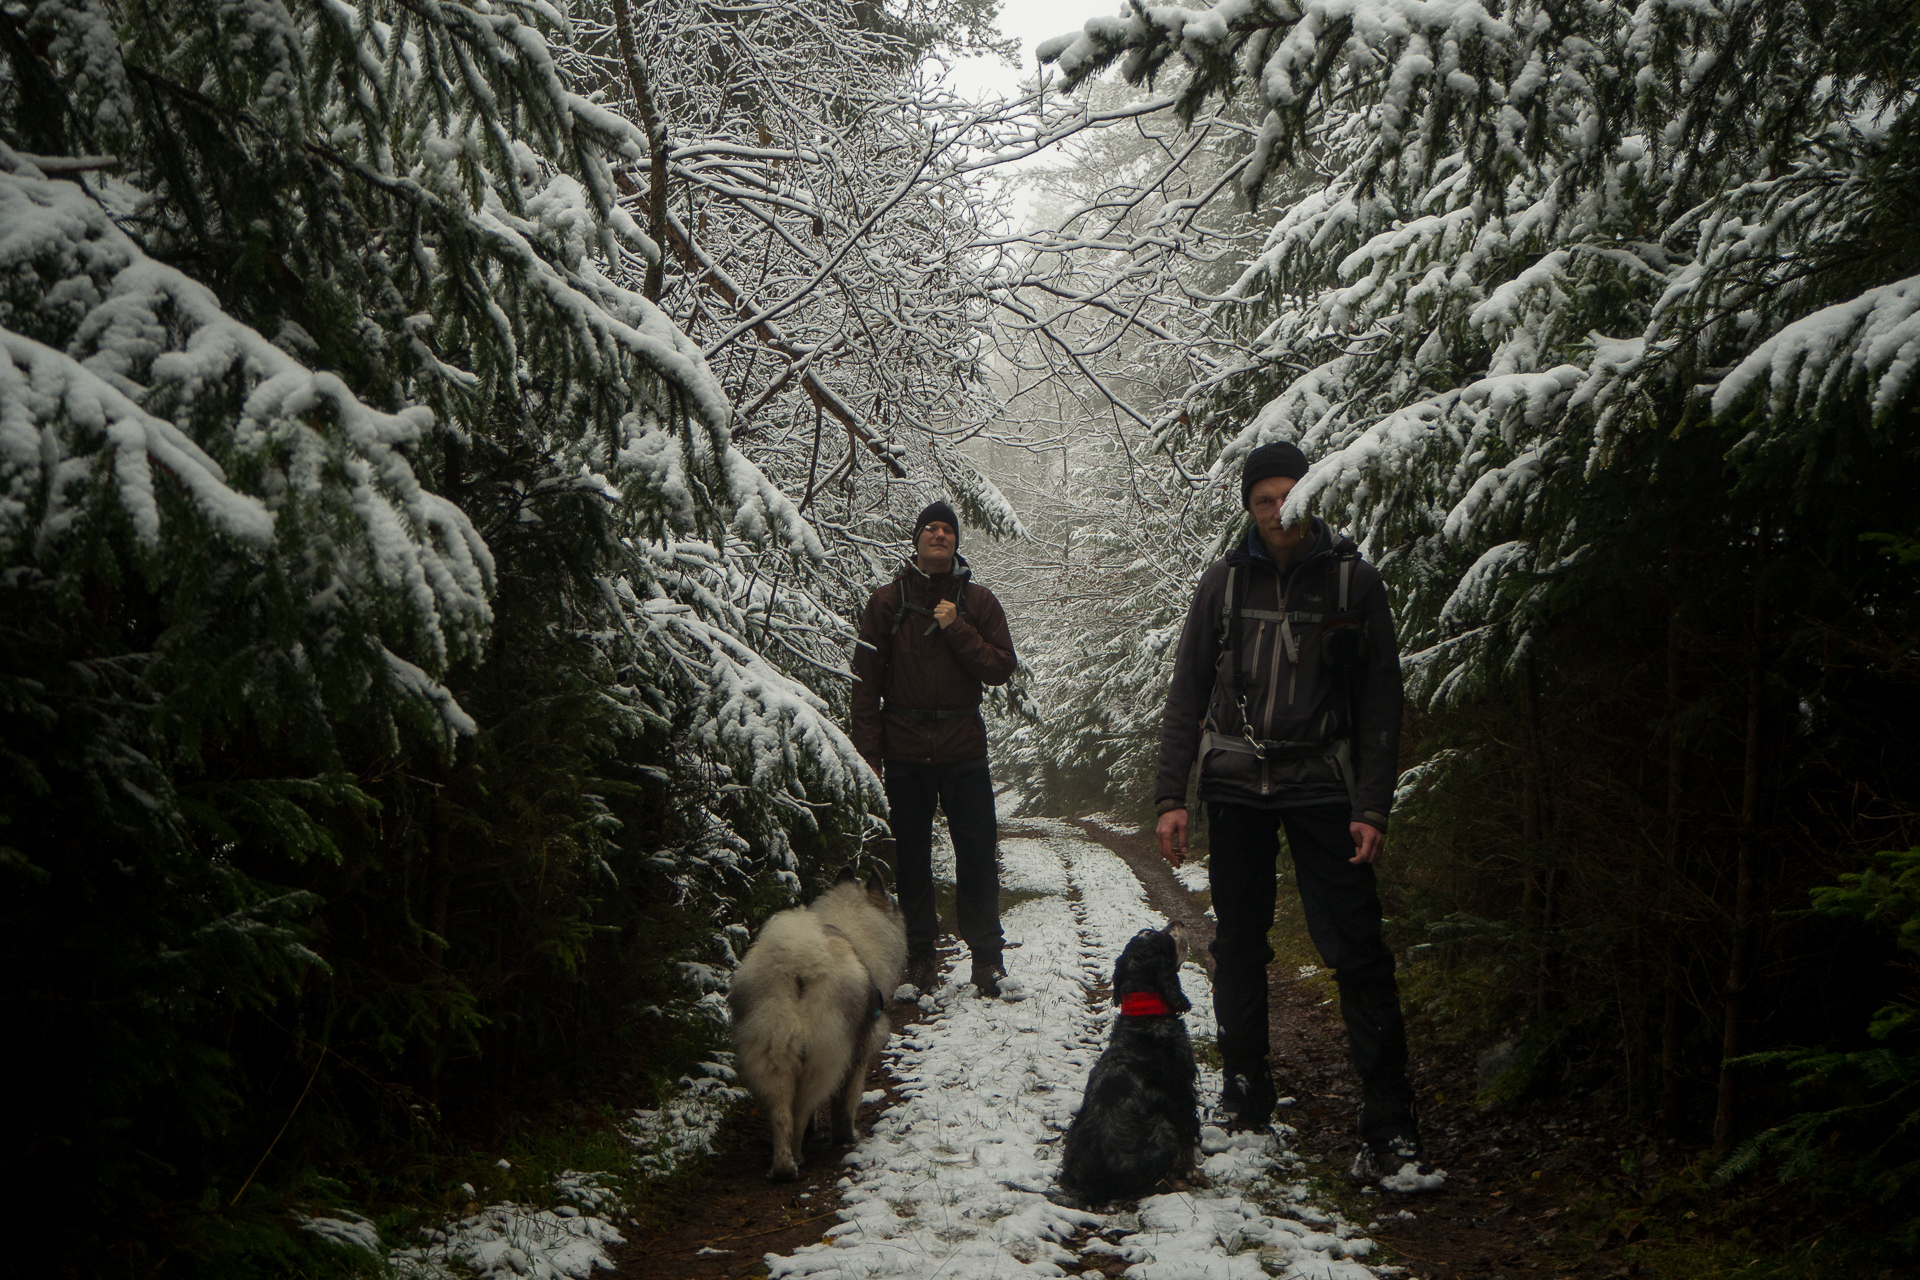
x,y
1193,877
950,1183
511,1240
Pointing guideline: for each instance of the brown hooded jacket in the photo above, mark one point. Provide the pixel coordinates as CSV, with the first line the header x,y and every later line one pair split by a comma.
x,y
917,667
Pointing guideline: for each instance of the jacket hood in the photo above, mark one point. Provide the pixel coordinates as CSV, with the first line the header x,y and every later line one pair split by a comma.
x,y
1254,551
961,572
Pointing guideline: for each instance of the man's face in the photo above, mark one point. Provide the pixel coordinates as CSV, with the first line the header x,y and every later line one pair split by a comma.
x,y
1265,500
936,544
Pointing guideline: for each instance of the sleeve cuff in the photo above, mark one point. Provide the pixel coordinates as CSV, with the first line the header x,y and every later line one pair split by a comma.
x,y
1167,806
1372,817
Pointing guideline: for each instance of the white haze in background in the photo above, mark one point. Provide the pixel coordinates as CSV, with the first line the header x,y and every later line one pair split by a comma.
x,y
981,79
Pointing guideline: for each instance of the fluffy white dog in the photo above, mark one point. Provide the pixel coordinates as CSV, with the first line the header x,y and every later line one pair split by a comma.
x,y
809,1009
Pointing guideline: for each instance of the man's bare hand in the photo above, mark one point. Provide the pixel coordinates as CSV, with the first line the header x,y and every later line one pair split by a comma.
x,y
1368,840
1173,836
944,613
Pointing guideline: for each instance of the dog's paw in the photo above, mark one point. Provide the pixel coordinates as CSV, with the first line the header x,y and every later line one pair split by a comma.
x,y
1067,1200
784,1171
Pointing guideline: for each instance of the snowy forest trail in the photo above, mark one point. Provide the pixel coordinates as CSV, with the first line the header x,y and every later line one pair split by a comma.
x,y
973,1095
949,1181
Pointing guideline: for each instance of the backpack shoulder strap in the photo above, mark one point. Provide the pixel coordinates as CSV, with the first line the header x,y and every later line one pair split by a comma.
x,y
900,613
1342,568
1229,608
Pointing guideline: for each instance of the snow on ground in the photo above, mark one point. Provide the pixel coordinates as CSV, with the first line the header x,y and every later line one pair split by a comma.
x,y
684,1124
950,1183
1191,875
1193,878
508,1241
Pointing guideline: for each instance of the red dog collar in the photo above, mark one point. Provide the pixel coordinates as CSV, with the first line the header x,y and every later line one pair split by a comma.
x,y
1142,1004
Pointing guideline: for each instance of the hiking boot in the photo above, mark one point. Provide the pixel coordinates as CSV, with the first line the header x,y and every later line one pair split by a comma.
x,y
924,973
1248,1098
1396,1164
986,976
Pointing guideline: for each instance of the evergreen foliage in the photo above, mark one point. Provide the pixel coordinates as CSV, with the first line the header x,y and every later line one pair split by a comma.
x,y
395,717
1857,1145
1597,322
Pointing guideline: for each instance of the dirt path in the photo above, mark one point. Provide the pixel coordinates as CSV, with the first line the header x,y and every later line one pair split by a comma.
x,y
1168,896
720,1223
1520,1199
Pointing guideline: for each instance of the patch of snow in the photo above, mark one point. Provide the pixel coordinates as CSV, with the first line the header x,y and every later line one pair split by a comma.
x,y
352,1232
507,1241
1410,1179
683,1126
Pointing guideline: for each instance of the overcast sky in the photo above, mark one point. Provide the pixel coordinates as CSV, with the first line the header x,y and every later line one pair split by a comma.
x,y
1029,22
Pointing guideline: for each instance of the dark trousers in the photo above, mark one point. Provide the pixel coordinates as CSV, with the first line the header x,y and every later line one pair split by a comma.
x,y
1342,907
965,791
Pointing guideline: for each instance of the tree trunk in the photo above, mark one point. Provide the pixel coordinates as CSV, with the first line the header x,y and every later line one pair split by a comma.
x,y
1740,963
1534,826
1676,792
656,152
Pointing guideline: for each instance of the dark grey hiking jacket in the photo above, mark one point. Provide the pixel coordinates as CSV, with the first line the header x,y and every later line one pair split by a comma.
x,y
1289,700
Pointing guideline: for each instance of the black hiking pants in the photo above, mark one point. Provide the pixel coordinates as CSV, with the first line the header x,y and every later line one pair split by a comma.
x,y
1342,906
965,791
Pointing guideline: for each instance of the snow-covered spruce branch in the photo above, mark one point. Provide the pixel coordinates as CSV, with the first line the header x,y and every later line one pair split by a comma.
x,y
1504,244
251,436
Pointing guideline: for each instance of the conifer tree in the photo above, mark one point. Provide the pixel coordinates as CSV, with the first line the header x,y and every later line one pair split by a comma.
x,y
1599,328
376,669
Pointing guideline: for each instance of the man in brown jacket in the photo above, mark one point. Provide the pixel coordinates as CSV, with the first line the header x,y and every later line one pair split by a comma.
x,y
928,641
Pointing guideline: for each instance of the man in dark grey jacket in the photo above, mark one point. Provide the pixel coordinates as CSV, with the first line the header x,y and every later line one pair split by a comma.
x,y
1287,688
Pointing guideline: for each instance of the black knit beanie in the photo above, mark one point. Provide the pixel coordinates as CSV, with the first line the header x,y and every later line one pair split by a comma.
x,y
1276,459
936,511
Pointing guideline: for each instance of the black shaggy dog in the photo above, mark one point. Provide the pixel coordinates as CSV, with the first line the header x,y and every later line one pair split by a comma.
x,y
1139,1123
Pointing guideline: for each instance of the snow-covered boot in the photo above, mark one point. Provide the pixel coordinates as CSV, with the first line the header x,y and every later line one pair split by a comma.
x,y
987,972
923,972
1396,1164
1248,1097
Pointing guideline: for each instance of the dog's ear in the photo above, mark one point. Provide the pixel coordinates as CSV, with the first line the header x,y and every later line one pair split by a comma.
x,y
1157,966
876,885
1134,970
846,874
1178,932
1123,969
